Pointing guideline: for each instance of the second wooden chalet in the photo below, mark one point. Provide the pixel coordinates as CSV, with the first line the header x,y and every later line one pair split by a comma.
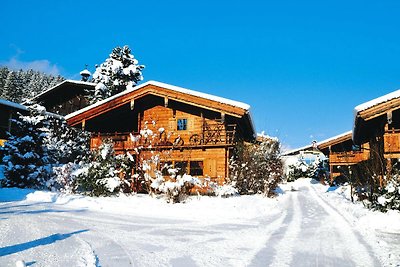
x,y
65,97
377,123
192,131
342,153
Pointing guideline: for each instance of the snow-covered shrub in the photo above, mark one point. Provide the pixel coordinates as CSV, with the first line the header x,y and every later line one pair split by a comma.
x,y
119,72
298,170
388,197
25,155
301,169
177,188
257,168
225,190
98,176
63,178
125,164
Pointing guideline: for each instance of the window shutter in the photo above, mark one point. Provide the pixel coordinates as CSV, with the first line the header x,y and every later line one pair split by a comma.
x,y
171,125
190,124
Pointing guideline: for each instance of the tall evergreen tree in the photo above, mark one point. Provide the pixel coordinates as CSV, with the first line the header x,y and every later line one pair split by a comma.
x,y
12,88
23,85
119,72
26,157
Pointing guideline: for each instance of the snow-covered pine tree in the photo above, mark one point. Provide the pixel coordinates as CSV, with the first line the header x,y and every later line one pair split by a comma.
x,y
22,85
120,71
26,159
66,144
98,176
12,88
3,76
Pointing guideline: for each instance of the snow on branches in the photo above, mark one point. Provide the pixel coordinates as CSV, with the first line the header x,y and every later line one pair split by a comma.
x,y
39,142
257,168
120,71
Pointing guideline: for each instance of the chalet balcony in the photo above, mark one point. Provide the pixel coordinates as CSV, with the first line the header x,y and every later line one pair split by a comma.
x,y
211,136
391,140
348,158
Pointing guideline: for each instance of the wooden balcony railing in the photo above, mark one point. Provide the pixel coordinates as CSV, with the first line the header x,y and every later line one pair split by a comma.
x,y
207,137
391,141
348,158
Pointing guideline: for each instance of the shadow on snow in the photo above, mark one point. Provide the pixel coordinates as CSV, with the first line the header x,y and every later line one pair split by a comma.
x,y
36,243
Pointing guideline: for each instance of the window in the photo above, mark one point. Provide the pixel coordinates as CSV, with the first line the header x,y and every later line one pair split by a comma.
x,y
196,168
181,166
181,124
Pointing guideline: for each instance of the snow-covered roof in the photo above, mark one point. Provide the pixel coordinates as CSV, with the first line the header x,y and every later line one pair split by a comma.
x,y
377,101
367,105
317,144
12,104
200,94
61,83
22,107
287,153
334,138
170,87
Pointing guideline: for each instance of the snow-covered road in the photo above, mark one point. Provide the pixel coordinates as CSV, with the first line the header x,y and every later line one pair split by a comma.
x,y
299,228
314,233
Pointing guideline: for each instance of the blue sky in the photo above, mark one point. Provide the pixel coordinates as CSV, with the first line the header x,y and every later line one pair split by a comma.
x,y
302,65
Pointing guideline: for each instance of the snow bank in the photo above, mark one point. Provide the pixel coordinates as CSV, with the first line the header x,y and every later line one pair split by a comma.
x,y
196,208
365,219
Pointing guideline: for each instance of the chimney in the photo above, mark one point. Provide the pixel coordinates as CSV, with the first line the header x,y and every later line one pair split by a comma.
x,y
85,74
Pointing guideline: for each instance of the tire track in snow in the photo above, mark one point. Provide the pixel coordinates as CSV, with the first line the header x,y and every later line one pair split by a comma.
x,y
284,249
355,247
101,230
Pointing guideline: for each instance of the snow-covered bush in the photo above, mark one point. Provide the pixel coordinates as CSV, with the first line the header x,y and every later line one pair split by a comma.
x,y
225,190
119,72
125,164
99,176
298,170
388,197
301,169
257,168
177,188
63,178
25,155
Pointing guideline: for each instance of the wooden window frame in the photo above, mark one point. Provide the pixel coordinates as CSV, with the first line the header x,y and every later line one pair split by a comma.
x,y
186,124
188,168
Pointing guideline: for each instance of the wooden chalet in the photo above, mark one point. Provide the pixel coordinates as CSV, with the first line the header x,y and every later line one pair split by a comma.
x,y
8,111
189,130
377,123
66,97
342,153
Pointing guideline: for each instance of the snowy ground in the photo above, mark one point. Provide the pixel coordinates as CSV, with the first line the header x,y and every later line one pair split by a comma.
x,y
304,226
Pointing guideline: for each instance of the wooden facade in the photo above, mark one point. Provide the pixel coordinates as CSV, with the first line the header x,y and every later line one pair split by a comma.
x,y
66,97
189,130
343,153
377,124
